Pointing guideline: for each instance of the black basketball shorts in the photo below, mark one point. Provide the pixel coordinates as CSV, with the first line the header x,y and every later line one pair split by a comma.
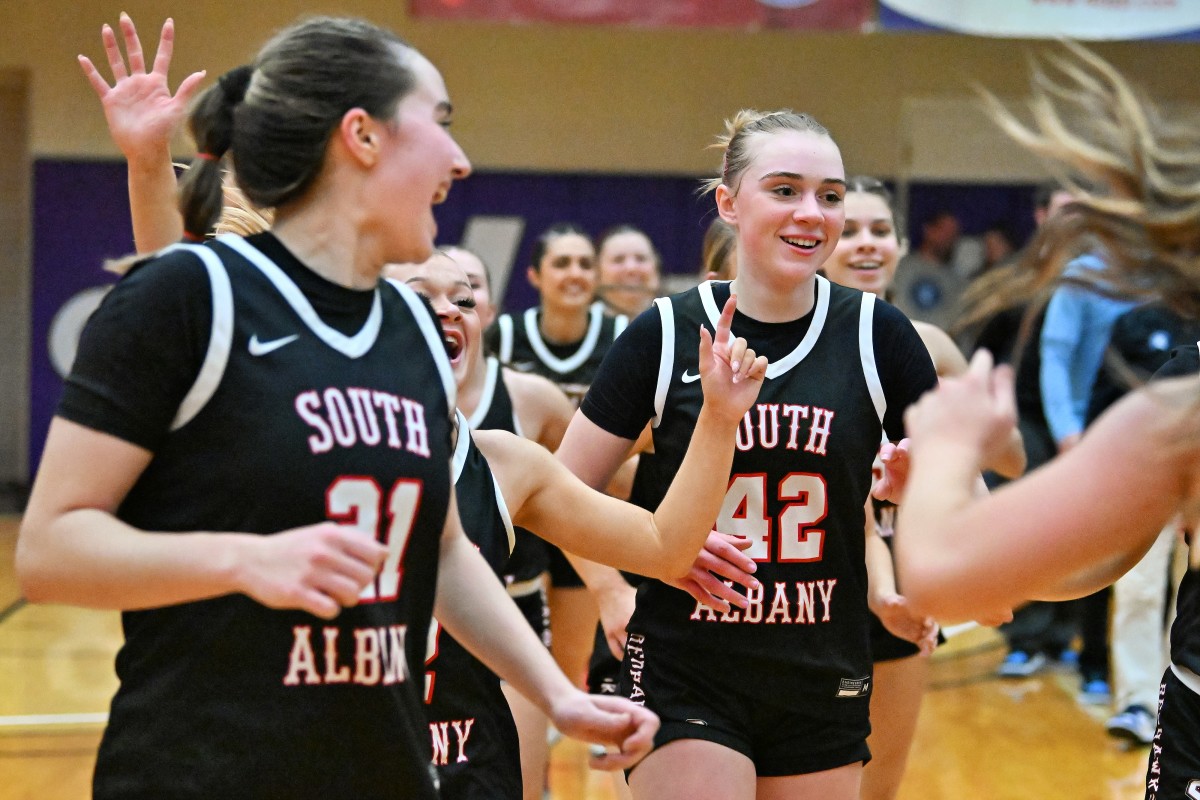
x,y
1174,768
699,696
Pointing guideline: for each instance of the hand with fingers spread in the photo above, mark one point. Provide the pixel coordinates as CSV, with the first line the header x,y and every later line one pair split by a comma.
x,y
976,410
142,113
319,568
626,728
722,555
730,372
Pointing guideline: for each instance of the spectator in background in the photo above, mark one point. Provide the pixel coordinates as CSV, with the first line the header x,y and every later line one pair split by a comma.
x,y
1040,630
1074,335
927,287
999,246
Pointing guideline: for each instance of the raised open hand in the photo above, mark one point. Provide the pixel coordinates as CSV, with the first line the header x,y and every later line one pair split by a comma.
x,y
142,113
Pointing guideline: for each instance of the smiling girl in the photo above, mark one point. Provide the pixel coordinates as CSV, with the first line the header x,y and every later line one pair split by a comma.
x,y
769,700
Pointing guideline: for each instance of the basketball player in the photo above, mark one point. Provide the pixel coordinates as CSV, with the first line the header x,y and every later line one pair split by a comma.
x,y
231,403
629,269
1077,523
769,700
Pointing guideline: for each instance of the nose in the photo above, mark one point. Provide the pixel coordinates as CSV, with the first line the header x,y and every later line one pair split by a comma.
x,y
807,208
462,166
446,310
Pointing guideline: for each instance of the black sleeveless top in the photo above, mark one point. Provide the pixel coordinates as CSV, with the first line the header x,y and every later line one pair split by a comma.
x,y
495,412
800,478
472,731
288,422
519,344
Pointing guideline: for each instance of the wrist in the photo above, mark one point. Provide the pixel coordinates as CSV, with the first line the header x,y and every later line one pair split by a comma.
x,y
231,560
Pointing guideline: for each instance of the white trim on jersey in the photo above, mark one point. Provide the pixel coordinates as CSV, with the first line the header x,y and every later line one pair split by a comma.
x,y
620,323
350,346
866,352
666,359
564,366
502,507
495,374
488,393
458,460
505,326
780,367
220,340
424,318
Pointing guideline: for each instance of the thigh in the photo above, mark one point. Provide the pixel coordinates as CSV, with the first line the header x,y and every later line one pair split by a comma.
x,y
693,769
1174,768
895,705
573,618
840,783
532,727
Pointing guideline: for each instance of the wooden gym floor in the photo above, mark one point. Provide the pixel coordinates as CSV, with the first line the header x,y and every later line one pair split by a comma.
x,y
978,737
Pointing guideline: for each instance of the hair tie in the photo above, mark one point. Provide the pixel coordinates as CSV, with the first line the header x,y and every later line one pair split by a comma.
x,y
188,236
235,82
208,157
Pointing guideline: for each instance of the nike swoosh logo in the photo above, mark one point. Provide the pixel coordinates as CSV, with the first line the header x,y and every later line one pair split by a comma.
x,y
258,348
687,377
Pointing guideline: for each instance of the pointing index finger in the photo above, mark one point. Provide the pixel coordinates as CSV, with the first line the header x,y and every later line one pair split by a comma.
x,y
725,323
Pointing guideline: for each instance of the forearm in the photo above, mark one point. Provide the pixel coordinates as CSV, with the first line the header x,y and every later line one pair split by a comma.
x,y
881,572
157,222
87,557
473,606
942,482
688,511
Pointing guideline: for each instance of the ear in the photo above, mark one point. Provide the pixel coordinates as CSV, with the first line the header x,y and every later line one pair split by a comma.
x,y
534,277
361,136
726,204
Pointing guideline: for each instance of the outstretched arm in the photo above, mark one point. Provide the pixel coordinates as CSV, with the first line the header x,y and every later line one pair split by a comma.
x,y
961,556
142,117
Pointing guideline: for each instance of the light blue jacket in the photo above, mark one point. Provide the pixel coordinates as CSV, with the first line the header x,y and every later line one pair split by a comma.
x,y
1074,338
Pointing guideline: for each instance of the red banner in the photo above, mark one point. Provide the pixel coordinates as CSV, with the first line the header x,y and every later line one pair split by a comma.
x,y
800,14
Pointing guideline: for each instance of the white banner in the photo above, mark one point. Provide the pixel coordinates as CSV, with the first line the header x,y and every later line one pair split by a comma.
x,y
1048,19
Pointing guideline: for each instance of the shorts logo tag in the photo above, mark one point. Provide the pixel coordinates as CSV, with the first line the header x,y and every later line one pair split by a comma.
x,y
854,687
697,722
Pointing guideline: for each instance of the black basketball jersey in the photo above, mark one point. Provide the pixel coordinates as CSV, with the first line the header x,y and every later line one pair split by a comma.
x,y
473,736
289,423
800,478
520,345
1185,631
495,412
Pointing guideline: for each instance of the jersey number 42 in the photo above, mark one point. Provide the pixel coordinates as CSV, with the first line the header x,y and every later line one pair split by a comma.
x,y
744,513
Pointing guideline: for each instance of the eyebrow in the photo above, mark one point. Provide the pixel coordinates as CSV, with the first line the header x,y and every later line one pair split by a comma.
x,y
796,176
